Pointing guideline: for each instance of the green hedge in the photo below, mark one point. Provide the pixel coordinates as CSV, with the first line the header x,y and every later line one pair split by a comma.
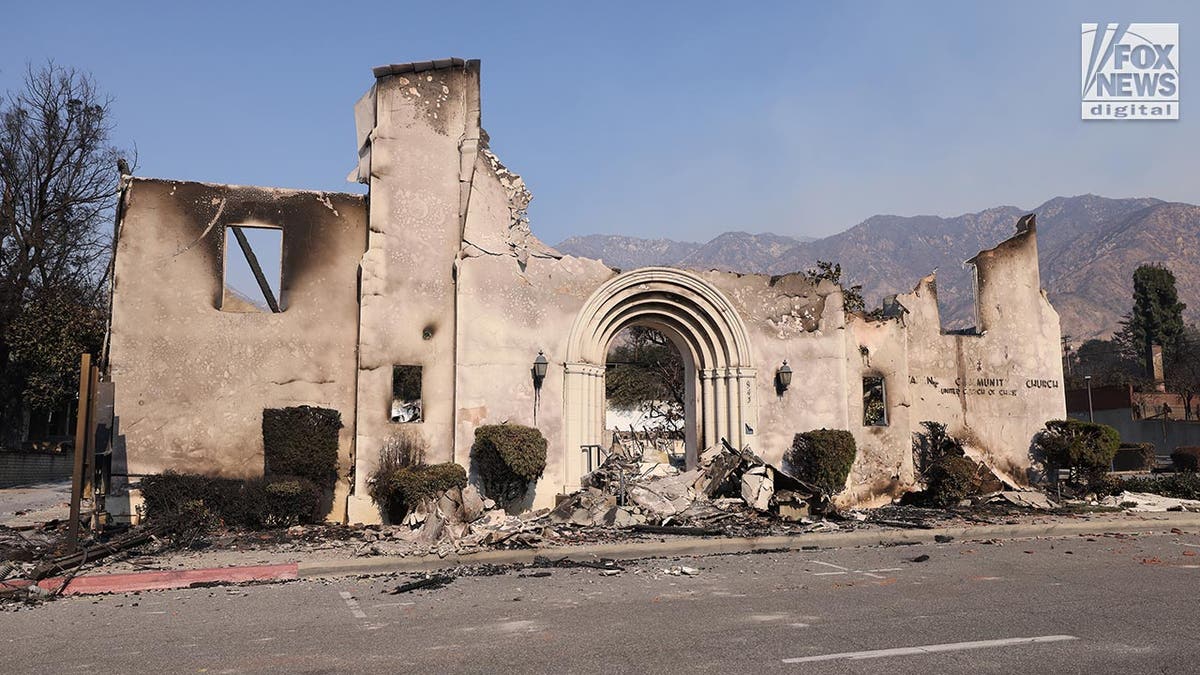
x,y
302,441
1176,485
399,488
1134,457
823,458
188,503
508,457
1186,458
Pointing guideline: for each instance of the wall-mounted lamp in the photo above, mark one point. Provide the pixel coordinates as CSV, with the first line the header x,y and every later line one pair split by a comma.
x,y
783,378
540,366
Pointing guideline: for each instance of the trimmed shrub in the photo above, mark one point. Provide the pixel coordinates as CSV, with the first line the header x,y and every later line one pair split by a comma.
x,y
190,504
1084,447
950,479
303,442
399,489
1186,458
1134,457
287,501
823,458
508,457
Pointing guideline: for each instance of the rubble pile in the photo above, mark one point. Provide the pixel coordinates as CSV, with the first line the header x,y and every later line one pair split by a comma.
x,y
727,483
730,492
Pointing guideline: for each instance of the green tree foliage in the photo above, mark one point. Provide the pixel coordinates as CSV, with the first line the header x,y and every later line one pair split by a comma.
x,y
1182,370
58,188
1105,360
645,372
45,340
1156,317
852,299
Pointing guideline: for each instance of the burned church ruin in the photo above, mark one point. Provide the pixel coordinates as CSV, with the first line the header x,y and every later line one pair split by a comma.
x,y
425,305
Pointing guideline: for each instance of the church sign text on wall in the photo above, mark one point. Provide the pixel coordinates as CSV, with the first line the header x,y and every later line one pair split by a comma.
x,y
987,386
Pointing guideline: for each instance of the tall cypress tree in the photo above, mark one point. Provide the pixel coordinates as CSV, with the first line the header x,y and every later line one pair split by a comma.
x,y
1156,317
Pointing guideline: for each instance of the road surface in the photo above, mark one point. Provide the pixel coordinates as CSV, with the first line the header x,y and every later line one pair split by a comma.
x,y
1104,604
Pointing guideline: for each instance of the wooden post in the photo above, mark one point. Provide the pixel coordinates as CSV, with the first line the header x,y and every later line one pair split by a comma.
x,y
89,449
81,428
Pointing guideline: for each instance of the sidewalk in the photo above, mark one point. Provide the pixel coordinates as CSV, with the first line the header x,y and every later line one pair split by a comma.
x,y
27,505
1126,523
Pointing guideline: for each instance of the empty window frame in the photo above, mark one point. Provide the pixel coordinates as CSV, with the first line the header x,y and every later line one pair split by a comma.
x,y
406,394
874,401
253,269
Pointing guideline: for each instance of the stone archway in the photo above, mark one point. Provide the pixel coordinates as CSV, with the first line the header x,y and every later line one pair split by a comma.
x,y
700,320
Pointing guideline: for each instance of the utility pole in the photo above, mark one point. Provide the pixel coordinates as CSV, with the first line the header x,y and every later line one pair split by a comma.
x,y
1091,412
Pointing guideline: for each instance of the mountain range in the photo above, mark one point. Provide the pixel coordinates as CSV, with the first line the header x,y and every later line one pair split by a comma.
x,y
1088,248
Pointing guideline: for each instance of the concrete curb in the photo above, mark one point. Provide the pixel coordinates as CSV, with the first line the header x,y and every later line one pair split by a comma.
x,y
1158,522
164,580
146,581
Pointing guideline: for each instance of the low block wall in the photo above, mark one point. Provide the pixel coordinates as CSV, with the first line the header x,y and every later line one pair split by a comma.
x,y
30,468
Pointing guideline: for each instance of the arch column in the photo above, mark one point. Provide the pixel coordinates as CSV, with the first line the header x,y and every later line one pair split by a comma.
x,y
582,417
735,409
708,408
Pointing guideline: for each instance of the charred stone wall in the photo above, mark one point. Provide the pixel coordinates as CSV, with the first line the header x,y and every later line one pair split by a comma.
x,y
438,281
191,380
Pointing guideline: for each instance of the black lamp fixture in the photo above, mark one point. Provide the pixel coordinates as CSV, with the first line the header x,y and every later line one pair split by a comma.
x,y
783,377
540,366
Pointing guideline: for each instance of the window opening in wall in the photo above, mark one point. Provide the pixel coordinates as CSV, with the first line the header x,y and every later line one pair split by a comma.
x,y
253,269
406,394
874,402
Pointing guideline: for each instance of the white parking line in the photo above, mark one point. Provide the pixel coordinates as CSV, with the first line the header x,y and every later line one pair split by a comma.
x,y
847,570
353,605
930,649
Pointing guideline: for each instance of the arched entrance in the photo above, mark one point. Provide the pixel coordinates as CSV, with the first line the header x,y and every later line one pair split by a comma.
x,y
699,319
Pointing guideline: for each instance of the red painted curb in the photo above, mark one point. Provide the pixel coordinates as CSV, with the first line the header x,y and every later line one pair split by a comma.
x,y
153,581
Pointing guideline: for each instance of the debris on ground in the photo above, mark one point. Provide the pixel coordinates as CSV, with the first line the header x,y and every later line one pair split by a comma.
x,y
1147,502
428,582
730,492
602,564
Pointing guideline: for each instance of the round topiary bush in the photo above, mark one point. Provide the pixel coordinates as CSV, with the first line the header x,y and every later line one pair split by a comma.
x,y
822,458
508,457
950,479
1084,447
1186,458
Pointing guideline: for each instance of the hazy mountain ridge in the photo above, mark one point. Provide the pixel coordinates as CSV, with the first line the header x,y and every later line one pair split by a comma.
x,y
1088,247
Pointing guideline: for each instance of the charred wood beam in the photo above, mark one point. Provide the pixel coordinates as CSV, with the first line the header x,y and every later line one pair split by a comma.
x,y
256,268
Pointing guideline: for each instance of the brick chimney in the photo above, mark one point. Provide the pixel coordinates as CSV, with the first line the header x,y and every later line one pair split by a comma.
x,y
1156,368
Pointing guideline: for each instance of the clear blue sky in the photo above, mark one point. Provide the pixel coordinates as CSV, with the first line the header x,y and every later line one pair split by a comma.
x,y
676,119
